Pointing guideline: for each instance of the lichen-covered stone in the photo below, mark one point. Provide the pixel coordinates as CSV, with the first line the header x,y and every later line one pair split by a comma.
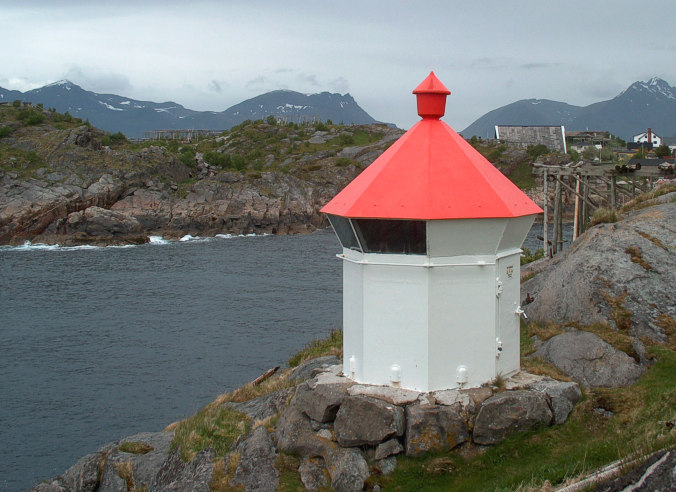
x,y
363,420
510,412
434,428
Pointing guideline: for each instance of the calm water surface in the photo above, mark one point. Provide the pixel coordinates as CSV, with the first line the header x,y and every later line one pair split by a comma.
x,y
97,344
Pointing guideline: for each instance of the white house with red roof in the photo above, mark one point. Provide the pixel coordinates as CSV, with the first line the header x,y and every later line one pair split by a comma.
x,y
431,234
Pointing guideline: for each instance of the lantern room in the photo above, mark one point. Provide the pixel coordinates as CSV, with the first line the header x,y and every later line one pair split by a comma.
x,y
431,236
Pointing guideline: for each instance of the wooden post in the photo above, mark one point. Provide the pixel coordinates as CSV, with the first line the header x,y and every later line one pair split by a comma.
x,y
585,204
557,207
577,207
560,221
545,228
613,193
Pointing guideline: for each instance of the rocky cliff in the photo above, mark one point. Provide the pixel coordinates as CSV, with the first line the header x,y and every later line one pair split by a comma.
x,y
60,183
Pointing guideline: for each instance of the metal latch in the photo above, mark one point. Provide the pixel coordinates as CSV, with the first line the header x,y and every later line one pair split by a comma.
x,y
498,344
498,287
520,312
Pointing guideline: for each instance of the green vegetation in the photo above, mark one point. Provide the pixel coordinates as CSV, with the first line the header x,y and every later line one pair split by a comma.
x,y
5,131
331,345
136,447
215,426
529,257
552,455
663,151
604,215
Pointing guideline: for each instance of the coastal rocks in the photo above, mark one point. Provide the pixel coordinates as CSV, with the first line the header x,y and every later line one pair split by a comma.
x,y
618,273
589,360
367,421
510,412
177,476
256,470
434,428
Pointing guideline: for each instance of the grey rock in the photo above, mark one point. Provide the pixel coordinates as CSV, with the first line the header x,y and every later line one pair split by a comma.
x,y
322,402
364,420
293,434
388,448
576,285
589,360
256,469
562,394
656,474
387,465
307,368
143,467
348,469
508,413
396,396
83,476
313,474
434,428
264,406
179,476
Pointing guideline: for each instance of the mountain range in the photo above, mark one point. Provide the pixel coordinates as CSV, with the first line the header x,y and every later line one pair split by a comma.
x,y
641,106
115,113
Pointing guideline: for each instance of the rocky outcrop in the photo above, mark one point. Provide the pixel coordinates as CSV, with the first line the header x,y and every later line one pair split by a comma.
x,y
617,273
589,360
152,192
343,432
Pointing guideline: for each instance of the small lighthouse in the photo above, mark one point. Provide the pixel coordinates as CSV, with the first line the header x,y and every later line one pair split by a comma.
x,y
431,236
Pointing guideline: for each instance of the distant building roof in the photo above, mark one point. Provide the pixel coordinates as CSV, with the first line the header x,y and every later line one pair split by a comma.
x,y
553,137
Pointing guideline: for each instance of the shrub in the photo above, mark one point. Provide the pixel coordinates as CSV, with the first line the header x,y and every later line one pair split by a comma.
x,y
5,131
321,127
535,151
218,159
16,103
529,257
602,215
344,162
118,138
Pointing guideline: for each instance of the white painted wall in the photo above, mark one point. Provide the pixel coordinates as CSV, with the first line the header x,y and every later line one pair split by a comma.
x,y
429,314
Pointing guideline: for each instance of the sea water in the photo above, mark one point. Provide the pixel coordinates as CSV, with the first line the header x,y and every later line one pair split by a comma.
x,y
97,344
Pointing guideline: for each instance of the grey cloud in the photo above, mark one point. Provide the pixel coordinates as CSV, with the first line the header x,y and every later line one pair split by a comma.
x,y
215,86
260,80
340,84
308,79
98,82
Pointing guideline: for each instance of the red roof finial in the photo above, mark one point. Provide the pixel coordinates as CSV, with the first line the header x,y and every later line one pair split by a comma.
x,y
431,96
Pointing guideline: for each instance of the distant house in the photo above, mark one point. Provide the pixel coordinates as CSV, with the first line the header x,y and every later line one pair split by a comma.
x,y
553,137
648,137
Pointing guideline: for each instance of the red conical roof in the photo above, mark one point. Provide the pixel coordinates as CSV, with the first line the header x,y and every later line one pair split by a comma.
x,y
431,173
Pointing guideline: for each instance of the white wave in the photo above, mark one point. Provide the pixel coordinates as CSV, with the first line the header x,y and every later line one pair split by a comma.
x,y
189,237
157,240
224,236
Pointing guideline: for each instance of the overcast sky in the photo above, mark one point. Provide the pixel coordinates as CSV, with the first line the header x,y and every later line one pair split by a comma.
x,y
210,55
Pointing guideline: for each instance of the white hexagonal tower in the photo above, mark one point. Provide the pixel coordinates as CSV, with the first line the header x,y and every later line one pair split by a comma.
x,y
431,235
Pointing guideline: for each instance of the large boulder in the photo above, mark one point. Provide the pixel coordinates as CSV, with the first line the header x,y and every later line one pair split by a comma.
x,y
510,412
256,469
363,420
434,428
177,476
563,395
321,402
264,406
589,360
619,273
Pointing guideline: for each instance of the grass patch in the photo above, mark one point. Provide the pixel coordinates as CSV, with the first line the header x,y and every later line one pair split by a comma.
x,y
331,345
135,447
668,324
654,240
214,427
618,312
224,473
636,256
555,455
289,479
647,199
539,366
604,215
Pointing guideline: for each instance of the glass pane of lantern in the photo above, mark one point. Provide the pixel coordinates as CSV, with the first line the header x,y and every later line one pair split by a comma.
x,y
392,236
344,231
